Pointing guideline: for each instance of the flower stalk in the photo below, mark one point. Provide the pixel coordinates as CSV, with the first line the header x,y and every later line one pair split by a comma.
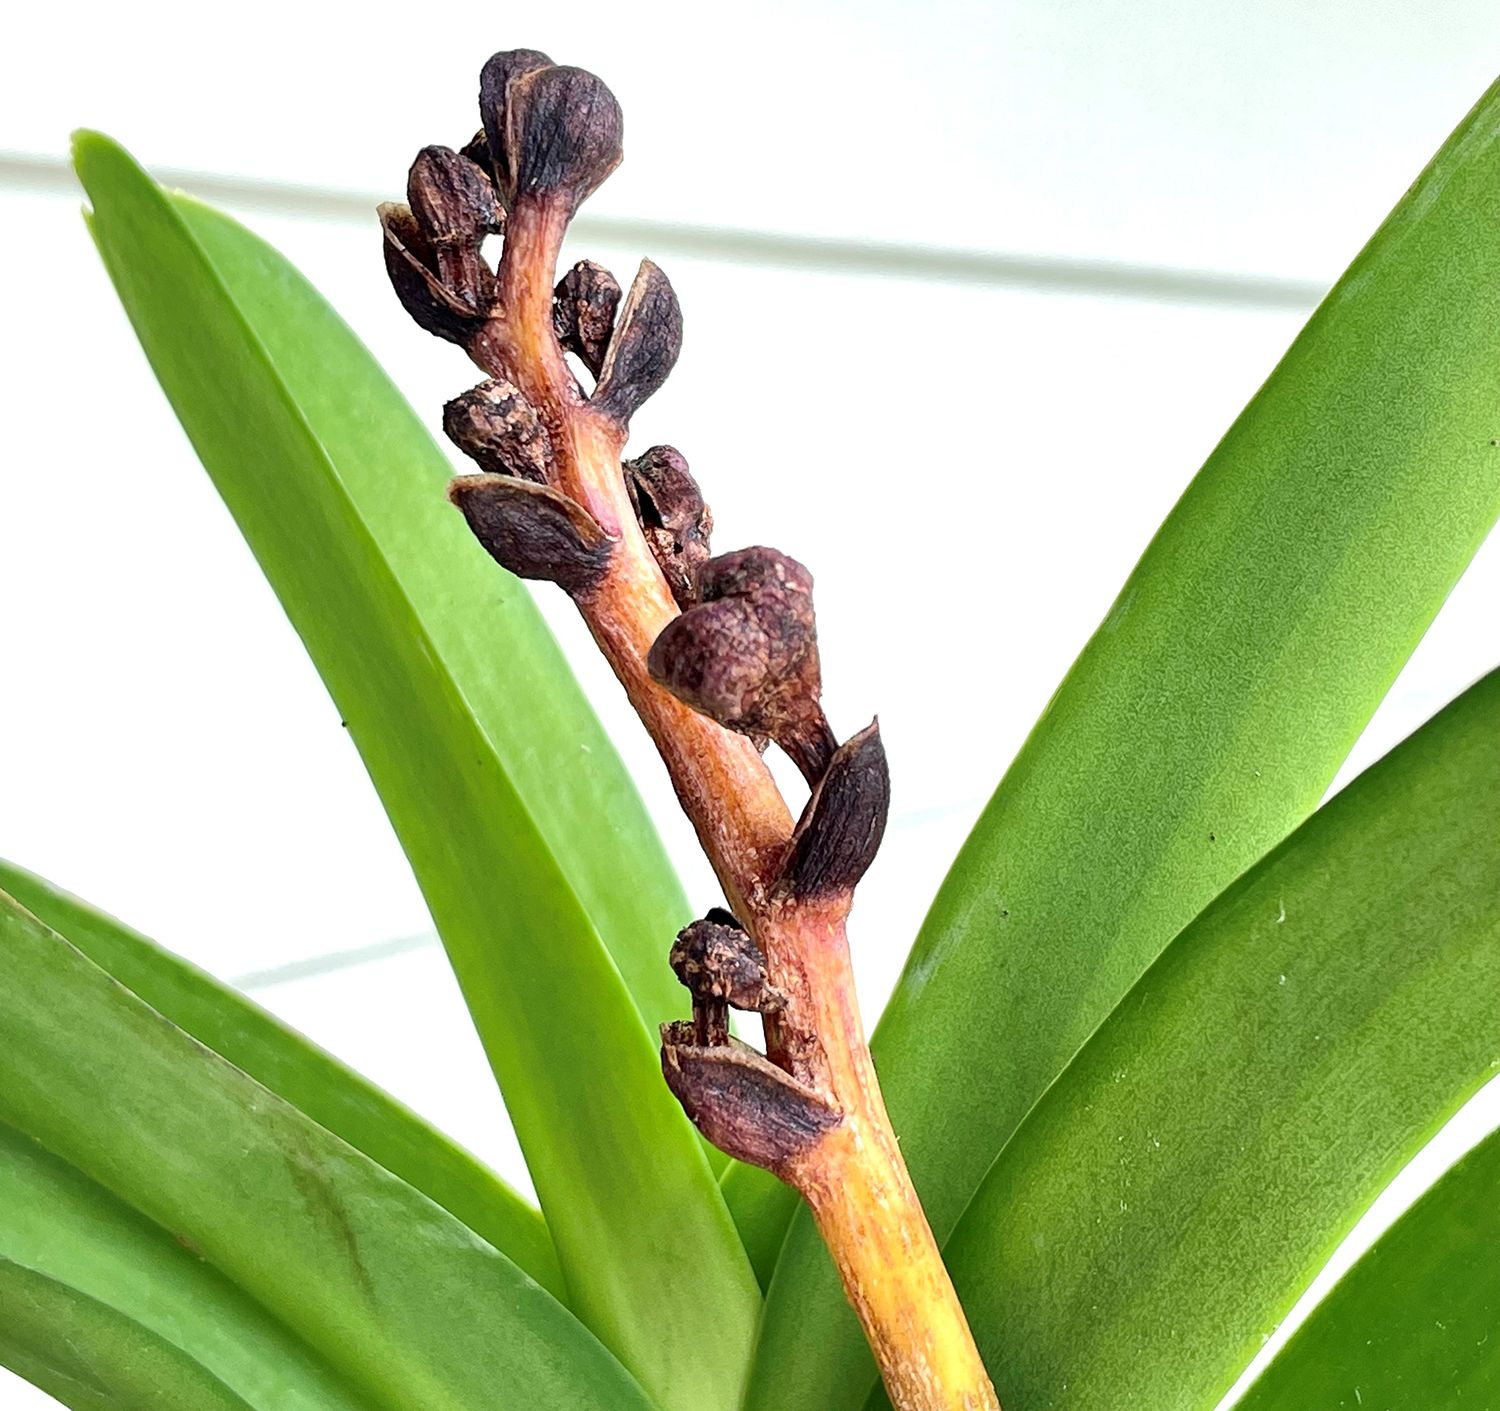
x,y
718,656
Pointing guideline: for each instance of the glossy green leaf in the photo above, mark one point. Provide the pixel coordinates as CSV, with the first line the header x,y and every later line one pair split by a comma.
x,y
293,1068
1166,1203
1210,711
116,1308
1415,1324
397,1296
472,735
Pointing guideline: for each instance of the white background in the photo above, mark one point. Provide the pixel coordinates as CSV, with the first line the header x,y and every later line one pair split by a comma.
x,y
168,750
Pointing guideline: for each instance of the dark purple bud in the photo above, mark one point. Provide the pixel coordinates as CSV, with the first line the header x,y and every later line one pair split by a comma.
x,y
716,960
673,518
496,426
559,134
747,654
454,204
644,349
745,1105
495,80
843,823
411,265
533,530
583,312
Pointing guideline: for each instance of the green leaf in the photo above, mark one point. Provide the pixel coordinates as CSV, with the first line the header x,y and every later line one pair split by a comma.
x,y
1413,1325
476,741
397,1296
1179,1186
295,1069
95,1297
1208,714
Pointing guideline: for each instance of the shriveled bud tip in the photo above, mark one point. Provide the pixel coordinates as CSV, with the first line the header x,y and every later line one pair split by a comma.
x,y
552,129
747,655
411,264
745,1105
534,531
495,79
841,827
673,517
716,960
583,312
496,426
454,204
644,349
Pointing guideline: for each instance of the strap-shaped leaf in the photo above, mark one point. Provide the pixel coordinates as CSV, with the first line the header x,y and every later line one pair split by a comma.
x,y
1415,1324
296,1069
110,1301
339,493
1181,1183
407,1304
1210,711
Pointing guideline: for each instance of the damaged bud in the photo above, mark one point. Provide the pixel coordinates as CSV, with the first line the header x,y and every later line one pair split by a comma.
x,y
672,516
644,349
412,265
498,428
841,827
720,966
495,79
552,129
454,204
747,654
745,1105
533,530
583,312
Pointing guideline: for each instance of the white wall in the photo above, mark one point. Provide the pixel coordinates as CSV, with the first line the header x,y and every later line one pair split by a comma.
x,y
169,751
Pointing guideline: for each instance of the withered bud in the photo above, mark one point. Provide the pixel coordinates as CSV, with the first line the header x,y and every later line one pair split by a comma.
x,y
583,312
499,72
644,349
454,204
559,135
843,823
716,960
477,150
496,426
742,1102
673,518
747,654
411,265
533,530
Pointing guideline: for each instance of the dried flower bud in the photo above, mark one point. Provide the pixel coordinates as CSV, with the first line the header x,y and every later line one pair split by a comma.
x,y
583,312
552,129
747,654
673,518
477,150
533,530
496,426
716,960
843,823
644,349
495,79
454,204
745,1105
411,265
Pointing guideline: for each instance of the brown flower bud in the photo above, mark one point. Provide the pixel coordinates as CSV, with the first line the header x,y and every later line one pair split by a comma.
x,y
747,654
533,530
644,349
583,312
496,426
742,1102
411,265
843,823
720,965
555,132
673,518
454,204
495,79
